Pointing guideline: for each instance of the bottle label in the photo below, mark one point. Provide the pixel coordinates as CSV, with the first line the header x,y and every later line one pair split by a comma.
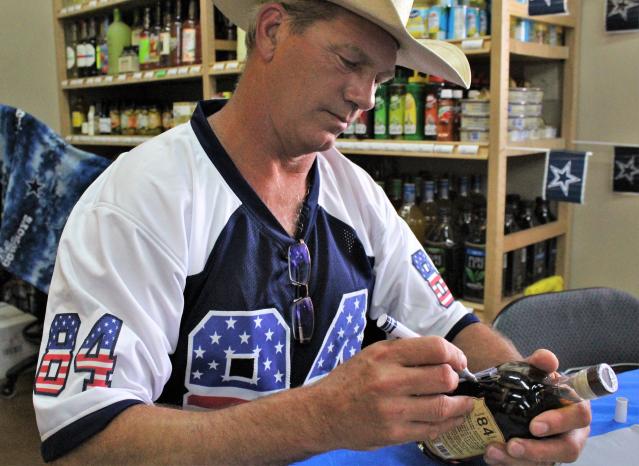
x,y
396,115
430,116
89,55
104,125
438,257
410,115
144,50
474,271
469,439
381,115
188,45
77,118
165,43
80,55
70,58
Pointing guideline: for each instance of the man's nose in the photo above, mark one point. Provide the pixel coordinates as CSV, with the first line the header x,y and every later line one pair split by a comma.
x,y
361,93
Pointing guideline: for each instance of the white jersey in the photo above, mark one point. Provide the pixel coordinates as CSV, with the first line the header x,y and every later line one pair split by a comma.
x,y
171,285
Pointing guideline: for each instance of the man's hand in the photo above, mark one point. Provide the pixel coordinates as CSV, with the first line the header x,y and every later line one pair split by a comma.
x,y
392,392
569,427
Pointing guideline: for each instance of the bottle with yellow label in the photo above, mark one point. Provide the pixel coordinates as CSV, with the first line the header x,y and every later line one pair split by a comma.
x,y
414,112
507,398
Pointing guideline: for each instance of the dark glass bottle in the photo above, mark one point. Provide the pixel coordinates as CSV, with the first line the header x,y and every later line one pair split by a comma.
x,y
144,50
445,250
80,50
72,44
395,192
463,208
90,49
514,273
544,215
535,253
176,35
475,258
165,37
508,397
477,195
429,206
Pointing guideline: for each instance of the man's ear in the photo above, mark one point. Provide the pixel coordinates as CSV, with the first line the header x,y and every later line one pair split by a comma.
x,y
269,23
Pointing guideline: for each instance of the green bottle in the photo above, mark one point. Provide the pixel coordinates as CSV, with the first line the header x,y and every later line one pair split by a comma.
x,y
381,112
414,112
118,37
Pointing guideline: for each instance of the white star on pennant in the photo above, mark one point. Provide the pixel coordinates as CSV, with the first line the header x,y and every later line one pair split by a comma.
x,y
621,7
213,365
278,347
548,2
349,318
627,170
199,352
197,375
558,182
351,351
331,347
245,337
229,352
356,303
320,363
230,322
258,322
269,335
215,338
267,364
278,376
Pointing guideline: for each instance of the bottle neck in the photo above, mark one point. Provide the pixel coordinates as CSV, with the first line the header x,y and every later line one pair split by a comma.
x,y
592,382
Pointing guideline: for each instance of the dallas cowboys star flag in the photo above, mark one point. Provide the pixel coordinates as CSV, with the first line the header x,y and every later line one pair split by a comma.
x,y
622,15
626,170
565,179
547,7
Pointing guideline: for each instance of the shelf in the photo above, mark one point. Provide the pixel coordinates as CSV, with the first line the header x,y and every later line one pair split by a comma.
x,y
520,10
539,51
428,149
124,79
533,146
89,8
534,235
222,68
104,140
473,46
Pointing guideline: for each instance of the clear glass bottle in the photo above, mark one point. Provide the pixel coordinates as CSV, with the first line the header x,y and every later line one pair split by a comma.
x,y
475,259
507,398
445,250
412,214
428,206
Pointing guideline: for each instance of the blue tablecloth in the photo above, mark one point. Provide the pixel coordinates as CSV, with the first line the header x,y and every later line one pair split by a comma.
x,y
603,411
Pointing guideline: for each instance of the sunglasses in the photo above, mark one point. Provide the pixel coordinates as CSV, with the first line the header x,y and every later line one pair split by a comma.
x,y
302,311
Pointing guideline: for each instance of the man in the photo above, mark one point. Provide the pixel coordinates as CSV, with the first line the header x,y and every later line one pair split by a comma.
x,y
239,256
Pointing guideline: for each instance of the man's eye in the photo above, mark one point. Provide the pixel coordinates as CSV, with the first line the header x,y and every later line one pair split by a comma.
x,y
349,64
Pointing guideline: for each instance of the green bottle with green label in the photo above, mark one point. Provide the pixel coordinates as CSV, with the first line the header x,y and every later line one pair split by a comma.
x,y
118,37
381,112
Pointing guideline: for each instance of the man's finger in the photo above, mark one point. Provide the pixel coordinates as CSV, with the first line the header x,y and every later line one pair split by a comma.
x,y
424,351
557,421
544,360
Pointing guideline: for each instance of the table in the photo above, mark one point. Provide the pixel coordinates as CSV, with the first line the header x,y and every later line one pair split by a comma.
x,y
610,443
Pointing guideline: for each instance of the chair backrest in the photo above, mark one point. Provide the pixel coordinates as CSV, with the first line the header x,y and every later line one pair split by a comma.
x,y
582,327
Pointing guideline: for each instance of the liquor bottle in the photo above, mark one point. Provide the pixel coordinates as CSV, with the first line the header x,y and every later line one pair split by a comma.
x,y
477,195
78,116
154,37
102,48
165,37
104,118
90,123
414,111
463,208
445,116
176,35
72,43
190,38
118,37
136,28
445,250
431,107
144,47
535,253
395,192
443,195
80,53
411,213
514,273
90,49
428,206
475,258
544,216
114,116
508,397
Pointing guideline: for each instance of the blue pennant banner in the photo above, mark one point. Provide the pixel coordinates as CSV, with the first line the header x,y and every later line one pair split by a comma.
x,y
565,179
626,170
547,7
622,15
42,177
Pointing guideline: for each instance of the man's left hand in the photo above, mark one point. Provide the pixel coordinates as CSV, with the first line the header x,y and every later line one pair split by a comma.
x,y
568,426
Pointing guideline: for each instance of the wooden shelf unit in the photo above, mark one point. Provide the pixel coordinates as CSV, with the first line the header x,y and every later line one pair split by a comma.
x,y
499,48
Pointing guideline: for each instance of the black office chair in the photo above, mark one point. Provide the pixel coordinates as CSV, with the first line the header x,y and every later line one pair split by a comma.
x,y
582,327
41,179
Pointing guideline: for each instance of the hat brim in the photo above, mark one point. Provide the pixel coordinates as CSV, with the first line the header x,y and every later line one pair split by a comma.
x,y
435,57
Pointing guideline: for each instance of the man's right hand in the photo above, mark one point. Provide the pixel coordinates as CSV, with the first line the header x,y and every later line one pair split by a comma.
x,y
393,392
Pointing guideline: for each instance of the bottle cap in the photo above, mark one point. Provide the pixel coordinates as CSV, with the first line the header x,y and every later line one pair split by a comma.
x,y
621,410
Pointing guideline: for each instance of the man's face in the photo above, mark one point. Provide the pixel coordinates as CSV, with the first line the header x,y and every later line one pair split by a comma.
x,y
321,80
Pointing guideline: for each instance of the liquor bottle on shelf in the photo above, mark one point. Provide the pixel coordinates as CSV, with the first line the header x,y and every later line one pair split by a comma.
x,y
102,47
176,35
72,43
114,117
165,37
104,120
395,192
514,277
445,116
90,49
475,258
544,216
80,53
535,253
428,207
381,112
507,398
144,49
118,37
78,115
136,28
445,250
154,37
411,213
190,37
463,208
477,195
443,195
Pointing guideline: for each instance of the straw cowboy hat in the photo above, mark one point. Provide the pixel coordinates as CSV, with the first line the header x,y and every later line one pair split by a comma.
x,y
428,56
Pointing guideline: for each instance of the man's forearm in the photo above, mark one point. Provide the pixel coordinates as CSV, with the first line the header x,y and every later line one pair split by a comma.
x,y
484,347
273,430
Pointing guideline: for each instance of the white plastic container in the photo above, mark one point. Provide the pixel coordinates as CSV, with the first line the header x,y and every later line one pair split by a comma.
x,y
524,109
475,107
471,122
474,135
530,95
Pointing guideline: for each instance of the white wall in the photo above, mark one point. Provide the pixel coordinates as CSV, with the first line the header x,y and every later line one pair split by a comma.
x,y
27,59
605,246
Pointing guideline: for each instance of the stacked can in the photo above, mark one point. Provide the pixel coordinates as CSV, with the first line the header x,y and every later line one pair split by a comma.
x,y
475,119
450,19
